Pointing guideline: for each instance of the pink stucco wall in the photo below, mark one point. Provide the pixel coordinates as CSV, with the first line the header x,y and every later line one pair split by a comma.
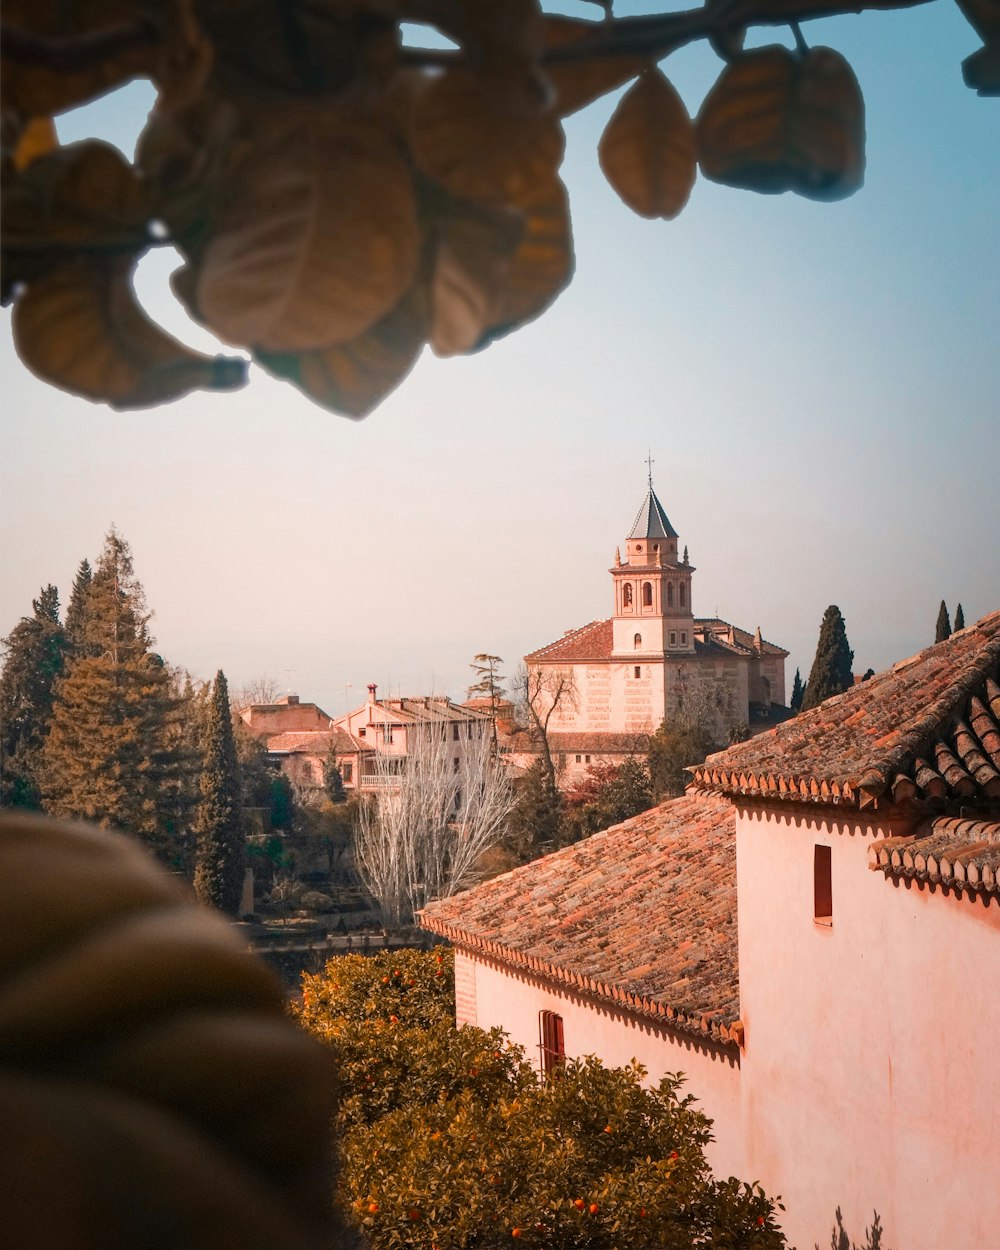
x,y
513,1001
869,1080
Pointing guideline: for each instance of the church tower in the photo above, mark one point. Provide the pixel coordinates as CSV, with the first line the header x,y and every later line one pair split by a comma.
x,y
652,614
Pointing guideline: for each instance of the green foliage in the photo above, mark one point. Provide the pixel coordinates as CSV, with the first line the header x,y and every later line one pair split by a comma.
x,y
35,654
447,1138
281,799
535,822
221,862
831,670
76,612
798,690
942,627
333,780
672,749
959,618
609,794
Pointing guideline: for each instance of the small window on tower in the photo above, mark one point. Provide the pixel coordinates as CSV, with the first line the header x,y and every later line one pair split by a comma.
x,y
682,591
627,595
647,594
638,670
670,594
637,641
673,639
684,637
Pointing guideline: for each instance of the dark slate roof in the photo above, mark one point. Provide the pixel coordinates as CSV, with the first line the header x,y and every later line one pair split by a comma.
x,y
928,728
651,521
963,854
643,915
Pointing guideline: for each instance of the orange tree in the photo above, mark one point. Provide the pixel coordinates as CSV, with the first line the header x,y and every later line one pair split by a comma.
x,y
342,197
447,1139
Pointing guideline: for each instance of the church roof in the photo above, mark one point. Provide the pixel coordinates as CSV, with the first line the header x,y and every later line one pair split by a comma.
x,y
927,728
651,521
642,915
713,637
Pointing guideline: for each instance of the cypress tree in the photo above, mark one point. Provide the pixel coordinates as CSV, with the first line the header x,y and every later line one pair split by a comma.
x,y
795,702
221,864
959,619
831,670
109,756
36,649
942,629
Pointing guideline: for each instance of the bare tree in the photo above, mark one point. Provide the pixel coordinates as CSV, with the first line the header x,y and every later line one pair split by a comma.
x,y
420,833
539,692
261,689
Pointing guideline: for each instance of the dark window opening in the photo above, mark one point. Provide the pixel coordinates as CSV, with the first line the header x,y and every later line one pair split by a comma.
x,y
682,592
455,730
551,1046
822,885
347,772
627,595
670,594
454,764
637,641
647,594
638,670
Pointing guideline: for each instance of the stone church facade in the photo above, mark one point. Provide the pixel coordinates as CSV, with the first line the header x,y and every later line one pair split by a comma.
x,y
617,680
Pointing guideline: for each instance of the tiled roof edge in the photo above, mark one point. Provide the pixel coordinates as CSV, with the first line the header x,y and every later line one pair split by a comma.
x,y
973,866
695,1024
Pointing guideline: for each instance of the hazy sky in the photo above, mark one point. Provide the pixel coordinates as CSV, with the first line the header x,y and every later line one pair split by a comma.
x,y
818,384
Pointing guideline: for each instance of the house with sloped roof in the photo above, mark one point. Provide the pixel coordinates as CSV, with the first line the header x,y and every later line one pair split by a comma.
x,y
811,934
604,687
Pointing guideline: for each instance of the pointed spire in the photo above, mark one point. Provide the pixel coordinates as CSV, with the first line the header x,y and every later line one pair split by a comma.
x,y
686,561
758,642
651,520
618,557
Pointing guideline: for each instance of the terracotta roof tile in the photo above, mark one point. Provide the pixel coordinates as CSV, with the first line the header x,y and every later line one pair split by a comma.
x,y
926,728
644,912
312,742
596,642
964,854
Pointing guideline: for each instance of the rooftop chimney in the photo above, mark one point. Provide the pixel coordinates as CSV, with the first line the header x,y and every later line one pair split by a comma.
x,y
371,692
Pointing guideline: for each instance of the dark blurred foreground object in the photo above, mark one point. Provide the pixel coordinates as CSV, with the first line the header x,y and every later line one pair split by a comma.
x,y
153,1091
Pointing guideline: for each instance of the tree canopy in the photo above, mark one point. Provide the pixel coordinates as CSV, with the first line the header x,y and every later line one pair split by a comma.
x,y
446,1137
221,862
342,197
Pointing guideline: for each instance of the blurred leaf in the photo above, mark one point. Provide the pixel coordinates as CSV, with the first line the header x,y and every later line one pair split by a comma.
x,y
647,151
462,140
472,259
74,76
352,378
777,121
320,240
85,194
542,265
82,329
578,83
981,70
37,139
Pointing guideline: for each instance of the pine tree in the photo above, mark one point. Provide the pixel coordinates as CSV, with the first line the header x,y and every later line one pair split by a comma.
x,y
76,612
36,649
110,756
942,629
831,670
489,684
795,703
221,864
959,619
333,779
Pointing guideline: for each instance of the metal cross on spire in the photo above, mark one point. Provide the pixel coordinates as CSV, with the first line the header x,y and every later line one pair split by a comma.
x,y
649,465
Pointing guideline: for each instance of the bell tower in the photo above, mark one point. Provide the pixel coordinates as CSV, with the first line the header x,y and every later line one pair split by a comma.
x,y
652,613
